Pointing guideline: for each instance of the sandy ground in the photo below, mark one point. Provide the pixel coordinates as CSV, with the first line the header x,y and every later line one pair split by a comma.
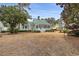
x,y
39,44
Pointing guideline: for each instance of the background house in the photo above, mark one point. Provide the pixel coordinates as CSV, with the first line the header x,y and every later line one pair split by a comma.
x,y
41,25
36,25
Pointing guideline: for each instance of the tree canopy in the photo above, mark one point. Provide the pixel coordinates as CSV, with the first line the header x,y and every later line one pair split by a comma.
x,y
12,16
70,13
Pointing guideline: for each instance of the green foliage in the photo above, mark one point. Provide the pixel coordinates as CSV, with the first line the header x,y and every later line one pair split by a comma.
x,y
70,14
74,33
13,17
50,20
65,30
50,30
13,30
38,17
25,31
23,5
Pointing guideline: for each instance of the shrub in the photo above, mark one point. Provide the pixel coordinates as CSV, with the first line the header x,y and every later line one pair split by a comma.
x,y
24,30
65,31
74,33
50,30
36,31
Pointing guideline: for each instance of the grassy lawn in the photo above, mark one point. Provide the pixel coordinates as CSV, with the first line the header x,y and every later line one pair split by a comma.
x,y
44,44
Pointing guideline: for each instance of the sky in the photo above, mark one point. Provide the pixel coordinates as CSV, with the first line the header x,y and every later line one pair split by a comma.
x,y
44,10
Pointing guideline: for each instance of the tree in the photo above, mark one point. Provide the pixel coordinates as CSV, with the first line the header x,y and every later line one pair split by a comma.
x,y
51,21
12,16
70,14
38,17
22,6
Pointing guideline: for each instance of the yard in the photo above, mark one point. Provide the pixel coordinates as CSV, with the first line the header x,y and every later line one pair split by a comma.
x,y
38,44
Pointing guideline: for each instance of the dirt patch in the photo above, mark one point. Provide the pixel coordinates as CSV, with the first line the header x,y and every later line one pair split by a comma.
x,y
38,44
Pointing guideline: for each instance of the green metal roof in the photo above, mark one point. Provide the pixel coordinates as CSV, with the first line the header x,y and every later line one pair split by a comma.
x,y
40,22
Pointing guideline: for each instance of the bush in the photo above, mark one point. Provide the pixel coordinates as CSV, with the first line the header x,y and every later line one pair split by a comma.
x,y
24,30
65,31
27,31
13,30
16,30
74,33
4,31
50,30
36,31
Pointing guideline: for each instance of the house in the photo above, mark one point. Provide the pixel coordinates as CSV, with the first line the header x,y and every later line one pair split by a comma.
x,y
33,25
36,25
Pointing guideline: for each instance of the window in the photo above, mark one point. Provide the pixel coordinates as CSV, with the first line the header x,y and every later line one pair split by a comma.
x,y
45,26
25,26
48,26
36,26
